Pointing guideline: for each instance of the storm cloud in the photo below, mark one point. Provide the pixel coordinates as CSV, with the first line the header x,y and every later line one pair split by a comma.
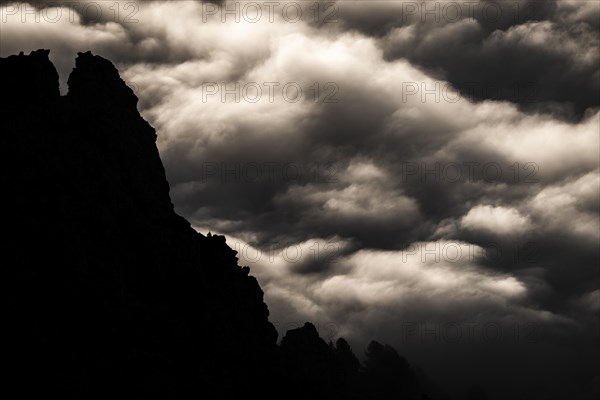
x,y
387,170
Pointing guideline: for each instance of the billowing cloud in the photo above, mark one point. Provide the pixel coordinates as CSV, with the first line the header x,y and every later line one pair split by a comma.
x,y
499,220
350,158
495,49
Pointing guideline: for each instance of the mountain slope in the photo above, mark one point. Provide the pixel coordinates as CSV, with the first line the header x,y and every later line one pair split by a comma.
x,y
108,293
107,290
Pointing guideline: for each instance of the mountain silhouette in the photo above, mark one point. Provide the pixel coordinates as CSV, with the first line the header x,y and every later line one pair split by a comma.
x,y
108,293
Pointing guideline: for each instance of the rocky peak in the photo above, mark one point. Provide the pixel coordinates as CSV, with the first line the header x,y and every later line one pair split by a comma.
x,y
107,292
96,81
28,80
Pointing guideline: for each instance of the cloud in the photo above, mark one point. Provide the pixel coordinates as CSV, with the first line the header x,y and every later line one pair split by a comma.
x,y
507,61
433,301
500,220
570,208
333,195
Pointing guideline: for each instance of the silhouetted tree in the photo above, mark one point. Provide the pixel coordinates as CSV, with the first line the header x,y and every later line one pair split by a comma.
x,y
347,368
387,375
309,364
346,358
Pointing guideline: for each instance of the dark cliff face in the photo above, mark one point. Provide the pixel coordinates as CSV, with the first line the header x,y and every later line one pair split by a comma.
x,y
106,291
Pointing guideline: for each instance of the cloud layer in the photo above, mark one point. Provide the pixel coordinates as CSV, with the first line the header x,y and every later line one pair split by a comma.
x,y
379,164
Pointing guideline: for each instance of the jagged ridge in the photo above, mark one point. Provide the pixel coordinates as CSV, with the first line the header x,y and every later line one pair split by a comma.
x,y
108,293
109,290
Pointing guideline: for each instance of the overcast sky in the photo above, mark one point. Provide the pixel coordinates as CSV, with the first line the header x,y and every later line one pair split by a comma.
x,y
422,174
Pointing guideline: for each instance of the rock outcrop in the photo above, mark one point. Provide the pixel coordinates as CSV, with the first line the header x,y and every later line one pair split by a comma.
x,y
107,293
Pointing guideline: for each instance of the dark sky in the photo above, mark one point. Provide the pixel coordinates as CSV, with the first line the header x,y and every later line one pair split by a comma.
x,y
422,174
